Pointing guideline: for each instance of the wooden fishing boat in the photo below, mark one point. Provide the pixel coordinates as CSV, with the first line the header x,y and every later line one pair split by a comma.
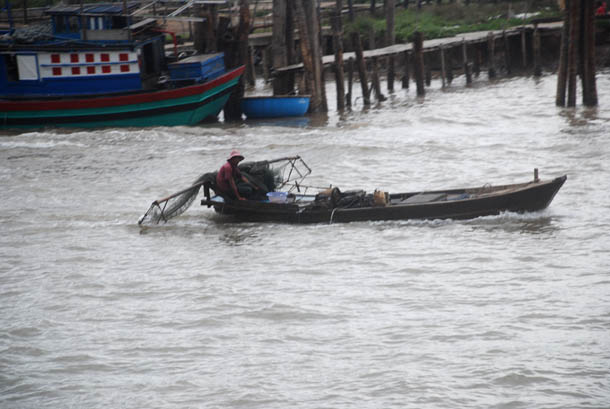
x,y
93,66
288,199
187,105
274,106
336,207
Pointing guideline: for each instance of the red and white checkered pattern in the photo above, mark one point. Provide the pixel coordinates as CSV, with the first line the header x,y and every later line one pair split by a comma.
x,y
53,65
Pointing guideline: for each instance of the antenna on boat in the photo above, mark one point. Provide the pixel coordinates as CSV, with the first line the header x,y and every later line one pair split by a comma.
x,y
7,8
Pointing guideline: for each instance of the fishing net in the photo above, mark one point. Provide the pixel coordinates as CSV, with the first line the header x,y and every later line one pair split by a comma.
x,y
284,173
32,34
174,205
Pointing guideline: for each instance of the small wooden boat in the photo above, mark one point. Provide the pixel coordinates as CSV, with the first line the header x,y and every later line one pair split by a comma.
x,y
275,106
332,205
439,204
287,199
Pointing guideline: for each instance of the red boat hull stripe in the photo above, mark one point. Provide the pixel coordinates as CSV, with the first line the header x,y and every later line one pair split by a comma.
x,y
100,102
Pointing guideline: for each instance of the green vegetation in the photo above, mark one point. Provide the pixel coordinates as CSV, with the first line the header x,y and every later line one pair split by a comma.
x,y
446,20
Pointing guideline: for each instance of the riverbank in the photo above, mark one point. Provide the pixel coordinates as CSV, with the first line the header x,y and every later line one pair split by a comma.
x,y
447,20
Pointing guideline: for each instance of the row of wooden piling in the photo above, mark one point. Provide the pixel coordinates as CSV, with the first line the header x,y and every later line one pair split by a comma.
x,y
305,15
530,42
417,64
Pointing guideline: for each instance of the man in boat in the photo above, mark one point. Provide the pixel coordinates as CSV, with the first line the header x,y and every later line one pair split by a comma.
x,y
231,182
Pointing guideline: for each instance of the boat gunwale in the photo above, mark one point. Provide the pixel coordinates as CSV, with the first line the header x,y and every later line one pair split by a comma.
x,y
145,96
276,97
498,191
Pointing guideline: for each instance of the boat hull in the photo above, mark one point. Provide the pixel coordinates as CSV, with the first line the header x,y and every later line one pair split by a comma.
x,y
181,106
274,106
527,197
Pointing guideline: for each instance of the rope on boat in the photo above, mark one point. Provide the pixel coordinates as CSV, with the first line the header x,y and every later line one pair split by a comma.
x,y
332,214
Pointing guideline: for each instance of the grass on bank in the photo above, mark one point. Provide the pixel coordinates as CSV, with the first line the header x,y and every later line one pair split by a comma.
x,y
447,20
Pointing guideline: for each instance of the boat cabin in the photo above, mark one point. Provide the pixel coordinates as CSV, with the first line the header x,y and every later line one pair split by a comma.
x,y
96,49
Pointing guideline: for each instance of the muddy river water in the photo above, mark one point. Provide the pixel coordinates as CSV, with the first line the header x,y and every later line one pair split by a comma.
x,y
511,311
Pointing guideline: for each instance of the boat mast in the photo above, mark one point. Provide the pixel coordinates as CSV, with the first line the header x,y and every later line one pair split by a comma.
x,y
7,7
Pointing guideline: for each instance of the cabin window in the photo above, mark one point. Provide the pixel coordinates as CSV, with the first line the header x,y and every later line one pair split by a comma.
x,y
60,24
73,24
67,24
118,22
149,58
27,66
96,23
10,62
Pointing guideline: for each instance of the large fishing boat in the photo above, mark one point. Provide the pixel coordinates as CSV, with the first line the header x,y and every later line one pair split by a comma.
x,y
93,65
284,197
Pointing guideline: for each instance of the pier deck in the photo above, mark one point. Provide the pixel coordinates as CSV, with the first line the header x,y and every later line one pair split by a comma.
x,y
432,45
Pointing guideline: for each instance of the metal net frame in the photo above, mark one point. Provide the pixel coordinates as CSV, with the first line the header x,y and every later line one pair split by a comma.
x,y
288,174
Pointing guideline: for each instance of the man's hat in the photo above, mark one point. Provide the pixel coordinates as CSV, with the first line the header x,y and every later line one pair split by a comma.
x,y
236,154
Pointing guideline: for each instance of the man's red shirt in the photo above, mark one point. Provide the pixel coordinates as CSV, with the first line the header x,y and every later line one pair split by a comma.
x,y
224,176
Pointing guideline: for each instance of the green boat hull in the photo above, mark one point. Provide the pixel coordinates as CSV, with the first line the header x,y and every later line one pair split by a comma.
x,y
187,106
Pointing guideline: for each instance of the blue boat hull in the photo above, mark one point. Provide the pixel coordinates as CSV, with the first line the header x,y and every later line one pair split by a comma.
x,y
274,106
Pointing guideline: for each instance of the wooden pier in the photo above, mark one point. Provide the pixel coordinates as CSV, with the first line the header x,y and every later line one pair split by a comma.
x,y
465,53
476,38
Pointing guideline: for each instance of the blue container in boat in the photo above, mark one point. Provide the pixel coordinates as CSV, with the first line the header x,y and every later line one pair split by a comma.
x,y
277,197
201,68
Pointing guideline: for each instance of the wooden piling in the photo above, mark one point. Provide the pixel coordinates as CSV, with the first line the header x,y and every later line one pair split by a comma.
x,y
491,55
360,63
266,57
418,67
211,44
476,65
238,55
338,46
364,82
575,6
405,72
523,48
562,71
199,40
390,8
391,73
250,73
375,80
309,30
589,87
375,83
465,63
350,80
507,54
282,46
536,49
443,69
